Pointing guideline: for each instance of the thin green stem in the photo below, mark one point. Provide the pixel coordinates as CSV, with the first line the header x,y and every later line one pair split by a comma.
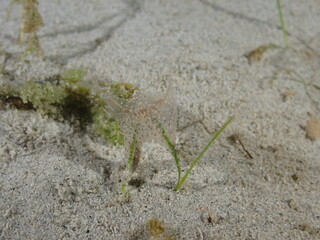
x,y
282,24
181,181
172,149
133,148
316,86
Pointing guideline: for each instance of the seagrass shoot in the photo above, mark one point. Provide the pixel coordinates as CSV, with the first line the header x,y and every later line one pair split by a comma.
x,y
284,32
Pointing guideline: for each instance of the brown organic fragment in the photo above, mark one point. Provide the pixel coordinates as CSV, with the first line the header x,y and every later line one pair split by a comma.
x,y
288,93
313,128
256,54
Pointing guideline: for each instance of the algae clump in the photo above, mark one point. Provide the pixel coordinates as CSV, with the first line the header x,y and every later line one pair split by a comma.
x,y
123,90
31,21
45,97
68,98
106,127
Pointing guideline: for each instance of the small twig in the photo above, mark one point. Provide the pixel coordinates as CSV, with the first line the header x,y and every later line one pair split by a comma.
x,y
206,128
195,122
189,125
235,139
200,235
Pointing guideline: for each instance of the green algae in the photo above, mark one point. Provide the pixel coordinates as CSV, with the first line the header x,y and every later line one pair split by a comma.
x,y
45,97
68,98
123,90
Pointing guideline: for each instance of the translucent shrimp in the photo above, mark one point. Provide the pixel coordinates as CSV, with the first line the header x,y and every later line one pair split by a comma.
x,y
139,118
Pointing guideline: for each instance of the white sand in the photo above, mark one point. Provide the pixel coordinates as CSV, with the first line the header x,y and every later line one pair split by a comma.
x,y
59,183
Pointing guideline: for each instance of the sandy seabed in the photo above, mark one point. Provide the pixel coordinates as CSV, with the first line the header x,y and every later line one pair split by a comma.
x,y
57,182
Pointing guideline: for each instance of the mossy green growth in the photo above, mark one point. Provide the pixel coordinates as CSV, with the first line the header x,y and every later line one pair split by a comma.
x,y
73,76
77,105
7,88
123,90
59,101
157,230
106,127
68,98
72,102
31,21
45,97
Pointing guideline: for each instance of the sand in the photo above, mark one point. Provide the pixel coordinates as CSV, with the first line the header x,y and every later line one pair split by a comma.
x,y
260,179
